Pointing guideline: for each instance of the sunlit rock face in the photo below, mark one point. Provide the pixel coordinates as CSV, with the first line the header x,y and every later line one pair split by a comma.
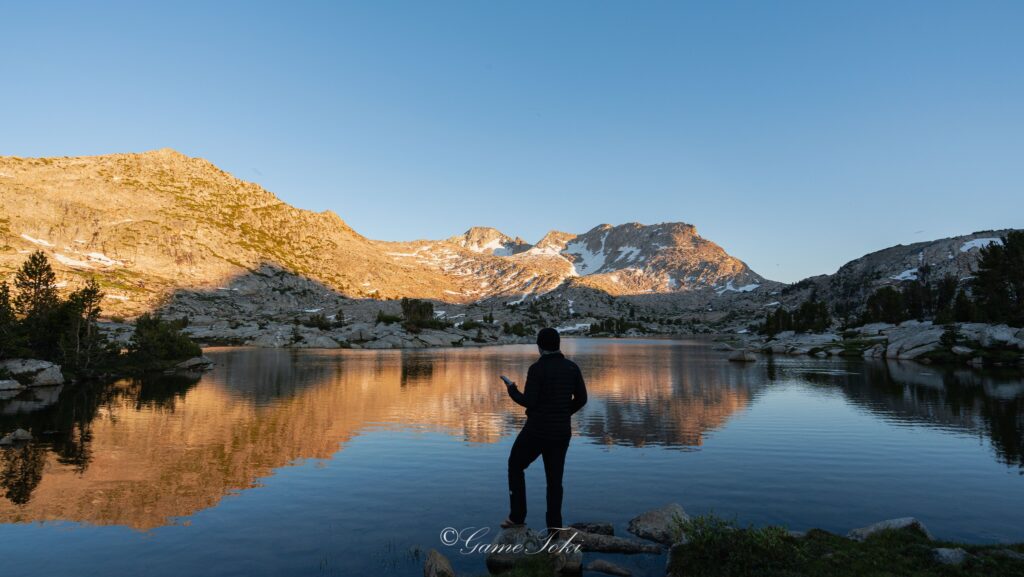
x,y
159,222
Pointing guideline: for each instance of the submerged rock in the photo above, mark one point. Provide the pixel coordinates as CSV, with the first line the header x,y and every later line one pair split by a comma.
x,y
201,363
517,544
437,565
902,523
596,527
607,567
659,525
21,435
948,556
612,544
742,357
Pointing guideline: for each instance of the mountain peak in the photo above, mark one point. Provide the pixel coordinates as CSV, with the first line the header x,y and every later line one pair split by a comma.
x,y
485,239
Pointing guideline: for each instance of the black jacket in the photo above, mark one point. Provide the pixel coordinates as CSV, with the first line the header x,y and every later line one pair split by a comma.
x,y
554,391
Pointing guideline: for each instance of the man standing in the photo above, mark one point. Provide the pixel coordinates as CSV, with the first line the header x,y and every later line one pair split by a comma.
x,y
554,391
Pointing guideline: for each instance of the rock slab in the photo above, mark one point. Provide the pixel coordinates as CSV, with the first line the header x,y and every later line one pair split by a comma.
x,y
437,565
33,372
608,568
901,524
660,525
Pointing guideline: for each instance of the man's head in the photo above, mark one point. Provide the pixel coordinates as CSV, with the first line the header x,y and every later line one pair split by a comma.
x,y
548,340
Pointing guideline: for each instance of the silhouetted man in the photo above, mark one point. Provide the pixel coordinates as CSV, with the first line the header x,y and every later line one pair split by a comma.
x,y
554,391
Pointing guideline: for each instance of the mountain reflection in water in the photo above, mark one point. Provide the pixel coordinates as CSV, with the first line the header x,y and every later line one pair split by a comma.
x,y
142,453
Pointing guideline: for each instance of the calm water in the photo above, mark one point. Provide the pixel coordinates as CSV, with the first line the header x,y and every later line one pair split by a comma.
x,y
348,462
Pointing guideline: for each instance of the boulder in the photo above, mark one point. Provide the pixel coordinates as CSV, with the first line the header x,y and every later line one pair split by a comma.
x,y
608,568
872,329
918,351
874,352
6,441
902,524
358,332
912,339
516,544
10,385
21,435
962,351
200,363
34,373
595,527
317,341
660,525
612,544
437,565
378,344
1006,554
948,556
998,336
510,546
742,357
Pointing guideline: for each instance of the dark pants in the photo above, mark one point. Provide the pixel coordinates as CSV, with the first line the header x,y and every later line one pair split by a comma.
x,y
525,450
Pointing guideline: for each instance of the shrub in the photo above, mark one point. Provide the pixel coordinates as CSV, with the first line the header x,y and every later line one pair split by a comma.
x,y
383,317
318,321
158,341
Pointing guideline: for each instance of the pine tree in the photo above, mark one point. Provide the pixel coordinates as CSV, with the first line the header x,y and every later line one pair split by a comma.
x,y
36,303
81,344
963,308
9,331
998,285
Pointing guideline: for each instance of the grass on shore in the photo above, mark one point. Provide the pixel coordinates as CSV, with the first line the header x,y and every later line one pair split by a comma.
x,y
718,548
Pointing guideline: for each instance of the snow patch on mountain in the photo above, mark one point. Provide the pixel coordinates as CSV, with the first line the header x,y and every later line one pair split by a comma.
x,y
973,244
742,289
909,274
587,261
38,241
72,262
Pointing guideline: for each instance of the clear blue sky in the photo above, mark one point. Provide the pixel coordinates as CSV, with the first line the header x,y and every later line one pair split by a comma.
x,y
797,135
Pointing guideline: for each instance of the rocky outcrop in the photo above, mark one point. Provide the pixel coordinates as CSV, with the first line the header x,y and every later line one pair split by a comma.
x,y
195,364
437,565
517,544
33,372
949,556
10,385
18,436
607,567
612,544
660,525
595,527
909,340
900,524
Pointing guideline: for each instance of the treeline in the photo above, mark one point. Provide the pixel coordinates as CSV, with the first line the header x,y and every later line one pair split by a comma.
x,y
615,326
994,295
36,322
812,316
416,315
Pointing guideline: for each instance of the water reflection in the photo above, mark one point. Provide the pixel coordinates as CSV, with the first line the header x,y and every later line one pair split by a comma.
x,y
142,453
